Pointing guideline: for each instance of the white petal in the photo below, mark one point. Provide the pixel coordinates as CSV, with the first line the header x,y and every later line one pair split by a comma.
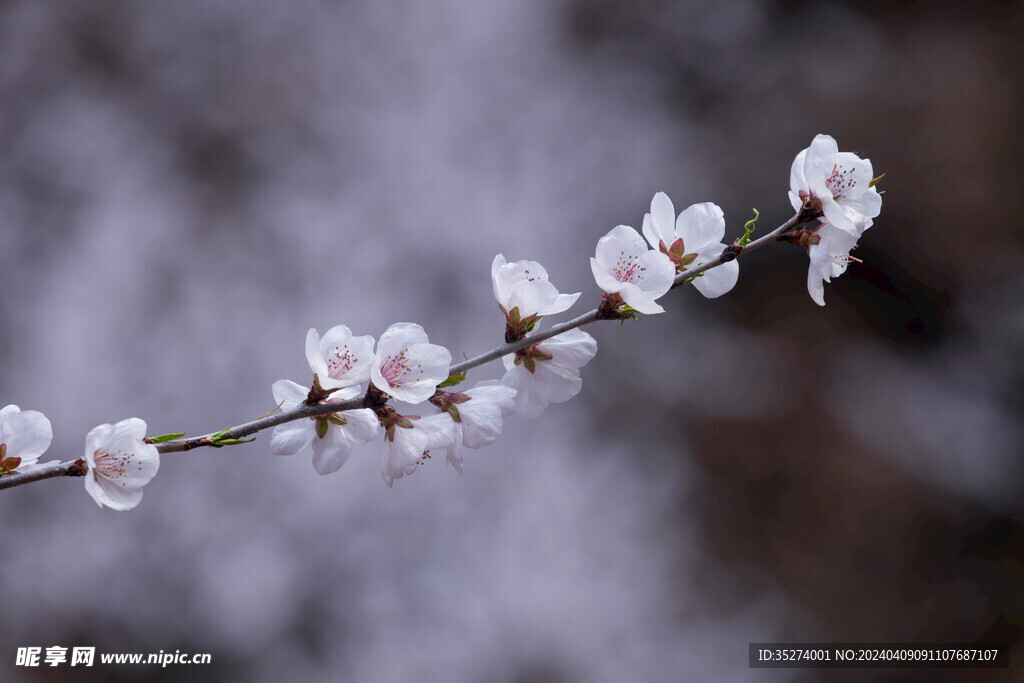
x,y
640,300
573,349
533,298
655,273
497,285
823,147
313,355
288,393
398,337
603,277
291,437
621,244
716,281
556,383
481,424
815,286
482,415
529,403
660,226
454,457
797,179
699,225
493,391
131,428
97,438
562,302
795,200
27,434
402,455
362,426
107,493
331,451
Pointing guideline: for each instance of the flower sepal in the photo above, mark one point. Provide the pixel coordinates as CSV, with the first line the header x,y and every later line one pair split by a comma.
x,y
446,401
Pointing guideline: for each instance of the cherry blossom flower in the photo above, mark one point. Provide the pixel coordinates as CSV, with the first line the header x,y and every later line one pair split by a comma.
x,y
695,237
409,443
524,285
836,184
477,414
338,359
119,463
524,295
549,371
406,366
830,256
24,436
625,266
332,436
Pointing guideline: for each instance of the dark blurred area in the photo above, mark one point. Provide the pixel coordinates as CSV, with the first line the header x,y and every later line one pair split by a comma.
x,y
186,187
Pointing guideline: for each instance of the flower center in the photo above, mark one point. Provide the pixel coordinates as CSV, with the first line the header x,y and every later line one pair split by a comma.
x,y
627,269
111,465
396,368
339,362
840,182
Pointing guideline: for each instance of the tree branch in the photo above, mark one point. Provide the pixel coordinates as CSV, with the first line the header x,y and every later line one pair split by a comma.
x,y
70,469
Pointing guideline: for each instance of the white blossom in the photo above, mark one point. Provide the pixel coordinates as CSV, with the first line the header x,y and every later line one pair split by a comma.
x,y
625,266
830,257
120,463
24,436
408,446
524,285
836,183
694,238
549,371
332,436
406,366
478,414
339,359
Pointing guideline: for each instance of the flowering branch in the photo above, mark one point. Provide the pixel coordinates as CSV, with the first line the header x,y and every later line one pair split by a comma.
x,y
71,469
835,202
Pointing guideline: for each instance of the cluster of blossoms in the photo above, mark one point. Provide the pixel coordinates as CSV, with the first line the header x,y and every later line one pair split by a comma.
x,y
117,464
832,192
407,368
838,188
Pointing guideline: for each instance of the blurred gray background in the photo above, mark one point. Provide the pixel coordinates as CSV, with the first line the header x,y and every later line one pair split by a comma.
x,y
186,187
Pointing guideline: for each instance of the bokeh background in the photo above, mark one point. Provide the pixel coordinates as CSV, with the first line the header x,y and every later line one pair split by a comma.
x,y
187,187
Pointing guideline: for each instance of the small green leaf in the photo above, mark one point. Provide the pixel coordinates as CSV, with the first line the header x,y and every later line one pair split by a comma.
x,y
215,437
321,427
452,380
875,181
337,420
232,442
165,437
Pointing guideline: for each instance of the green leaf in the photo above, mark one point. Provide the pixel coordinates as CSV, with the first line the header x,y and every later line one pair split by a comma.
x,y
231,442
165,437
875,181
452,380
215,437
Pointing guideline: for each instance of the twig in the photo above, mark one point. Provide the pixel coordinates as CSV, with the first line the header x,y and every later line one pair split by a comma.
x,y
302,411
